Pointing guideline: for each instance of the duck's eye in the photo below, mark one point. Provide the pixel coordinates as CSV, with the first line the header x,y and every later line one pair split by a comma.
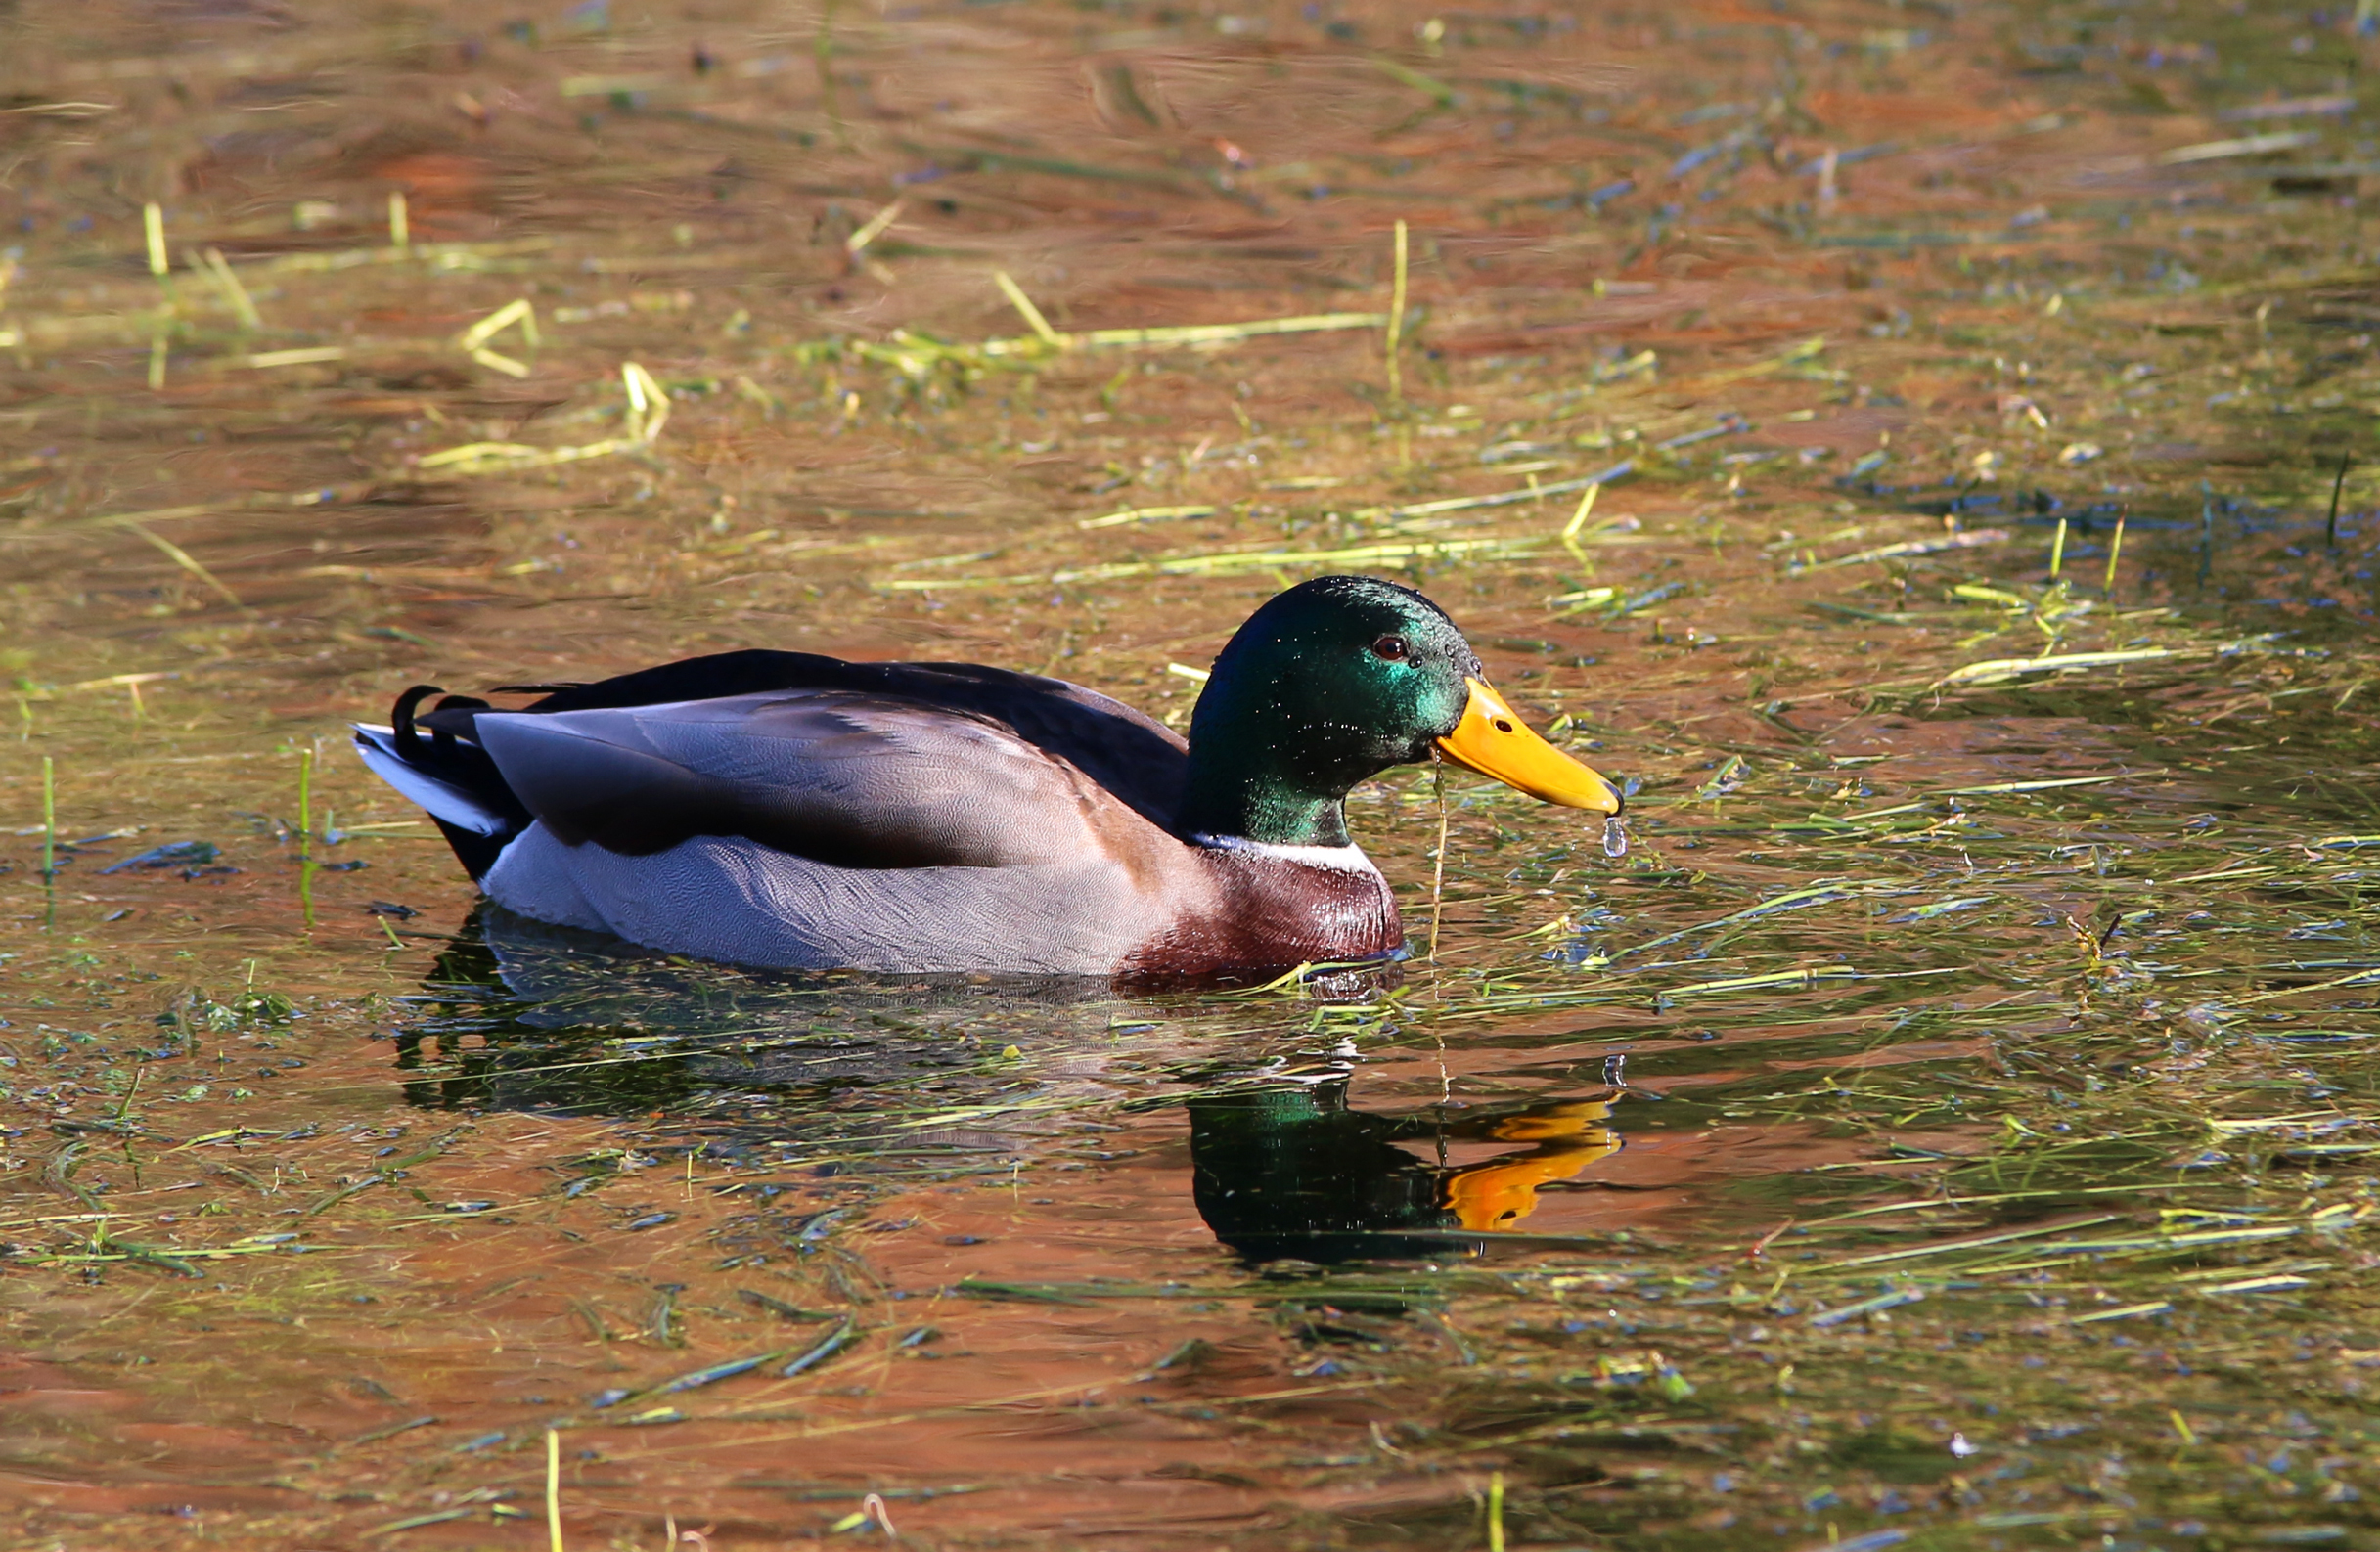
x,y
1391,647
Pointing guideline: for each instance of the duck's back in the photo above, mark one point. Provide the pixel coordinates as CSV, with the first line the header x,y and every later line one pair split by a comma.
x,y
1134,757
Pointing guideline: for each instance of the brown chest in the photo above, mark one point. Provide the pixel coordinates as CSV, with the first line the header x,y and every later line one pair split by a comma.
x,y
1270,910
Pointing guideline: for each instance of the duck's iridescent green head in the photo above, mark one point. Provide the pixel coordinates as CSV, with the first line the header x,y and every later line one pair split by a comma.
x,y
1333,681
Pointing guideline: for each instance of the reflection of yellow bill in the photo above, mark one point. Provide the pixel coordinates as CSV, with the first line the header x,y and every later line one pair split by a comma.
x,y
1502,1191
1494,741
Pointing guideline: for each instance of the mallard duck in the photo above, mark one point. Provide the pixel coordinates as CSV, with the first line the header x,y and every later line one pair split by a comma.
x,y
793,810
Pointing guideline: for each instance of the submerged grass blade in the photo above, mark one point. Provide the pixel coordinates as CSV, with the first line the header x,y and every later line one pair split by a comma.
x,y
838,1340
183,558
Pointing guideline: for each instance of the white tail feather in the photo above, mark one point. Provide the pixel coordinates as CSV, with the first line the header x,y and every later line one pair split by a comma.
x,y
378,746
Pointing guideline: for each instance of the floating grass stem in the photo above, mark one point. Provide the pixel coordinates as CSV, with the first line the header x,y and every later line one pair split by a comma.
x,y
1970,539
243,306
152,229
400,223
2057,551
1241,561
554,1489
1166,336
876,228
517,312
49,819
2115,548
305,356
1578,518
1146,515
2003,669
1028,312
1440,94
2330,528
1395,323
187,563
648,403
473,341
306,833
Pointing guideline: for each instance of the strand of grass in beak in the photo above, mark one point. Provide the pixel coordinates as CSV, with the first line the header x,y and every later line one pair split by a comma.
x,y
1437,877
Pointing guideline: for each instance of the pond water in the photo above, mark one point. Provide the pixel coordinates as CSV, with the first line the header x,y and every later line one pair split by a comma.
x,y
1918,447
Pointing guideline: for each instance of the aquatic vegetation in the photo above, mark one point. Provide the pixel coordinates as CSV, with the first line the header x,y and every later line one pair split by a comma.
x,y
1915,451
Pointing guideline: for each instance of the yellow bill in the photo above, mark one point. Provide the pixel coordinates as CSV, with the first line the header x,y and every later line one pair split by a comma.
x,y
1494,741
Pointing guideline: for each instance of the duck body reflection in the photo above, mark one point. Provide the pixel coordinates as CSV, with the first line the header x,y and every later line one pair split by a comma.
x,y
519,1015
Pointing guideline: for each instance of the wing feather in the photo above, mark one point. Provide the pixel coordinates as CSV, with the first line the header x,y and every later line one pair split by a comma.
x,y
846,778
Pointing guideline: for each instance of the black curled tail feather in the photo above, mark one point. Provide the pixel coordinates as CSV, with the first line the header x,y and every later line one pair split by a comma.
x,y
449,774
400,716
